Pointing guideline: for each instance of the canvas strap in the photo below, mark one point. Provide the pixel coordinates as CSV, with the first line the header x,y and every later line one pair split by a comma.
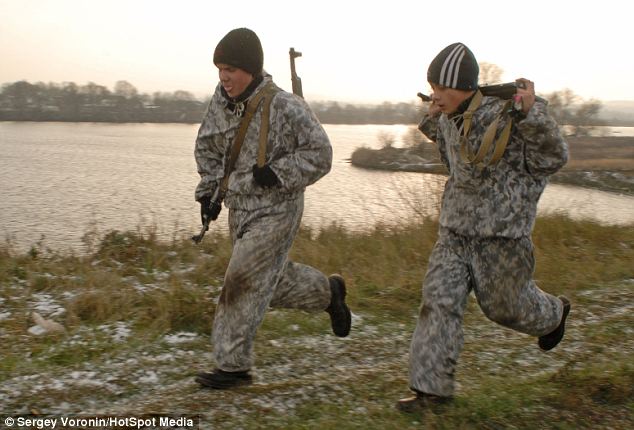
x,y
264,96
264,126
488,139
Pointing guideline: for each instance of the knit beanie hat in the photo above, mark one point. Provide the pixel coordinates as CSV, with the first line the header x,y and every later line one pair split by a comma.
x,y
454,67
241,48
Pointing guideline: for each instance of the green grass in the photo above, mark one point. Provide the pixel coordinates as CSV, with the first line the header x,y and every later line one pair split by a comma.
x,y
124,302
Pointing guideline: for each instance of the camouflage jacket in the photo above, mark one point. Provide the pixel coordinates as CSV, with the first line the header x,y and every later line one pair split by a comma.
x,y
499,200
298,151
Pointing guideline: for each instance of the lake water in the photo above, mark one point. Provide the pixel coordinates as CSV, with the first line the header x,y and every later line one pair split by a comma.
x,y
60,180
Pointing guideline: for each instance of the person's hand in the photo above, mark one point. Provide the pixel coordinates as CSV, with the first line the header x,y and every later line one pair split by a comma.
x,y
525,95
265,176
434,109
209,210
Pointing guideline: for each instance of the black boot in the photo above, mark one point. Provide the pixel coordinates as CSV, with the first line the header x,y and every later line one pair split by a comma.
x,y
550,340
340,317
421,402
221,380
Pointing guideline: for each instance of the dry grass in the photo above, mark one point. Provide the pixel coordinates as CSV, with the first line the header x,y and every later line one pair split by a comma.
x,y
126,305
384,268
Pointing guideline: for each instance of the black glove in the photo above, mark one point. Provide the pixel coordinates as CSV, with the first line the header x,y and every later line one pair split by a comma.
x,y
265,176
208,209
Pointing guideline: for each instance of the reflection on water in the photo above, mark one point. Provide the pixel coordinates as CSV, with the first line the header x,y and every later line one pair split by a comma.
x,y
585,203
59,180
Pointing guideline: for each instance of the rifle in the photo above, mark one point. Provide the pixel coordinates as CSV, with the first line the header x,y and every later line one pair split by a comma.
x,y
296,80
199,237
504,91
216,201
424,97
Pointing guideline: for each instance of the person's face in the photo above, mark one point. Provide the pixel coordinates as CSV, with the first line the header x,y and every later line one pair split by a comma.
x,y
448,99
233,79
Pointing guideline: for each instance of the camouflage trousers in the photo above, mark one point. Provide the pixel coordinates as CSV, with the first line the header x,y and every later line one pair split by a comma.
x,y
499,271
259,275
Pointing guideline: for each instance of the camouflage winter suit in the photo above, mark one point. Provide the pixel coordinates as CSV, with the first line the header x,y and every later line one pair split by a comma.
x,y
263,222
484,244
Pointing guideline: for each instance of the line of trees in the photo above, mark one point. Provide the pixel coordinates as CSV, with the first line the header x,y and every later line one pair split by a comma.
x,y
384,113
23,101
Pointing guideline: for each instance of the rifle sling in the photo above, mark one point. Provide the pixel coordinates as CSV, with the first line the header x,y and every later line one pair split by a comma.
x,y
468,115
489,135
266,95
505,135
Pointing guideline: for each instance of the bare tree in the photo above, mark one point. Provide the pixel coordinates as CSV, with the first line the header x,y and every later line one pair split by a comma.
x,y
570,110
490,74
585,117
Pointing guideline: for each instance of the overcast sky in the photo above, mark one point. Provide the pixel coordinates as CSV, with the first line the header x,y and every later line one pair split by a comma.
x,y
353,51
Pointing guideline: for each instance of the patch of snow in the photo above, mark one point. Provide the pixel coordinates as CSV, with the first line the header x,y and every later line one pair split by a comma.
x,y
46,305
150,377
120,332
180,337
37,330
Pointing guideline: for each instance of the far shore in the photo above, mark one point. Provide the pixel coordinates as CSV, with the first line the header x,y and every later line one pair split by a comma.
x,y
605,163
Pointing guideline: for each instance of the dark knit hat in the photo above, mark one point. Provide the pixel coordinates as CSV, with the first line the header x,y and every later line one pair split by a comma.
x,y
454,67
241,48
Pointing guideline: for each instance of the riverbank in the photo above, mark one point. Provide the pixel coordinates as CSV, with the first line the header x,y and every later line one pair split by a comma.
x,y
605,163
137,314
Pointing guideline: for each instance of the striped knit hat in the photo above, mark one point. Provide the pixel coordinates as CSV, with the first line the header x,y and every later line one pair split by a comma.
x,y
454,67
